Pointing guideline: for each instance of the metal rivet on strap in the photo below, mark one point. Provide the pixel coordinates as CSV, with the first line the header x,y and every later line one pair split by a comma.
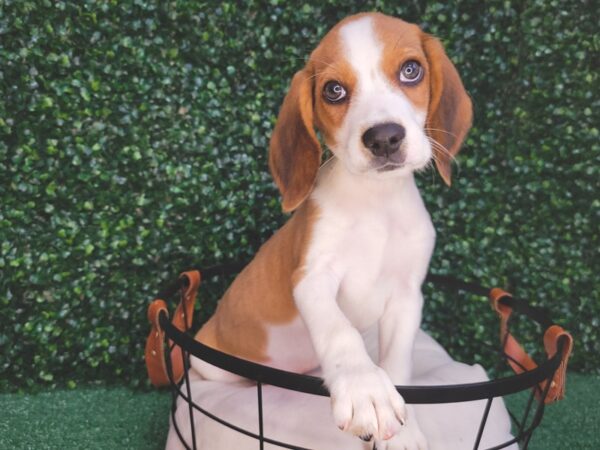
x,y
153,352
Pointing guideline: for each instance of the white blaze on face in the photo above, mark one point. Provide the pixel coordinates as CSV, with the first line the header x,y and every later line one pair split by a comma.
x,y
375,100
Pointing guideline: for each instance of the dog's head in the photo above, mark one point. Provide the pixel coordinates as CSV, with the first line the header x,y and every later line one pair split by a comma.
x,y
385,98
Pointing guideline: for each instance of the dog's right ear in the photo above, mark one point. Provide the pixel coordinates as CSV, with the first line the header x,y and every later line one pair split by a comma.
x,y
294,151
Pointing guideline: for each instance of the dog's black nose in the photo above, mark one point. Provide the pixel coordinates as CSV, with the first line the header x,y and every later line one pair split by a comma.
x,y
384,139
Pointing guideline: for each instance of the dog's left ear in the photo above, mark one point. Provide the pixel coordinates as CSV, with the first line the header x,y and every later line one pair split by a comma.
x,y
450,111
294,151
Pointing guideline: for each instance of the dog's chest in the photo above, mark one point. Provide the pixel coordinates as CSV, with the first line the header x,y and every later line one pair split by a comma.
x,y
382,260
377,253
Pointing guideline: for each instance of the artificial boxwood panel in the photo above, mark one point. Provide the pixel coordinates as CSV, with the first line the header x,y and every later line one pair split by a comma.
x,y
133,143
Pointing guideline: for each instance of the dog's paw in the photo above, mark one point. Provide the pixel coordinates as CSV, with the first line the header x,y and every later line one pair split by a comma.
x,y
366,403
409,437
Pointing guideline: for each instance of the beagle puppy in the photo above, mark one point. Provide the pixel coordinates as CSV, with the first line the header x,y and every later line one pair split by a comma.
x,y
387,102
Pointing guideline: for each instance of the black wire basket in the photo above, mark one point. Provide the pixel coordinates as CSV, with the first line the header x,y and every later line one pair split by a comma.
x,y
169,364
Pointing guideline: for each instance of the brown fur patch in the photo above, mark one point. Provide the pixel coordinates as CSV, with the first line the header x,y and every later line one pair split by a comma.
x,y
261,295
401,43
329,65
294,151
450,111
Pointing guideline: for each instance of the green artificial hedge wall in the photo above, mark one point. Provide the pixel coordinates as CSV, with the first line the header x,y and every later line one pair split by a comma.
x,y
133,144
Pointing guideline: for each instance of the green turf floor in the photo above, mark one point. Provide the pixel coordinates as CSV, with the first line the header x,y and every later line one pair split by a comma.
x,y
119,418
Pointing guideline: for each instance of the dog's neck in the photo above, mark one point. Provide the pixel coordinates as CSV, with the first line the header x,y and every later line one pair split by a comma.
x,y
349,190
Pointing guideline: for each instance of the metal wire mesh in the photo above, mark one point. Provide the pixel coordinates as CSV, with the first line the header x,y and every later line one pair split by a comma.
x,y
537,381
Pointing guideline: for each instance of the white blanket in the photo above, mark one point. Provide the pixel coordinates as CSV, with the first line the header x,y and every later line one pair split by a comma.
x,y
305,420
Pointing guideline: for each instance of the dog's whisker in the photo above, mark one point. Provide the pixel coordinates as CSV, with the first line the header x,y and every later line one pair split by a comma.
x,y
441,148
328,65
397,41
427,167
327,161
314,75
440,130
443,151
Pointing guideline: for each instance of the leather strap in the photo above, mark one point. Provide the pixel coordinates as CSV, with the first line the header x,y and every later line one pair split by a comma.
x,y
551,337
155,352
182,319
518,358
185,310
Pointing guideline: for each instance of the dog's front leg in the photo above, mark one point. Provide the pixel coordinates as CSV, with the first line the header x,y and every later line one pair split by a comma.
x,y
364,400
397,331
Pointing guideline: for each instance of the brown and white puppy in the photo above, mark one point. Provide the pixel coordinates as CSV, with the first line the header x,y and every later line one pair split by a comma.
x,y
387,101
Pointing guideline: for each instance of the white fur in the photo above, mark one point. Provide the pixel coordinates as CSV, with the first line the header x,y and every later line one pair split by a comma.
x,y
291,347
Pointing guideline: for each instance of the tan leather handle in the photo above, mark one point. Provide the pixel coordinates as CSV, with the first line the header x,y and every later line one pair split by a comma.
x,y
182,319
155,351
184,313
518,358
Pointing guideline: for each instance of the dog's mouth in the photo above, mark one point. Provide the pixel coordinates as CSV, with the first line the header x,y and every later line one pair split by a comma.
x,y
389,163
388,167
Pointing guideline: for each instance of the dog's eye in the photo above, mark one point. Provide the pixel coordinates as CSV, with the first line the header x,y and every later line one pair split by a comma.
x,y
334,92
411,72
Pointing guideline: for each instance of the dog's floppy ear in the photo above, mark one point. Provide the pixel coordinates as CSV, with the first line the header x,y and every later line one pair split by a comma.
x,y
450,111
294,151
